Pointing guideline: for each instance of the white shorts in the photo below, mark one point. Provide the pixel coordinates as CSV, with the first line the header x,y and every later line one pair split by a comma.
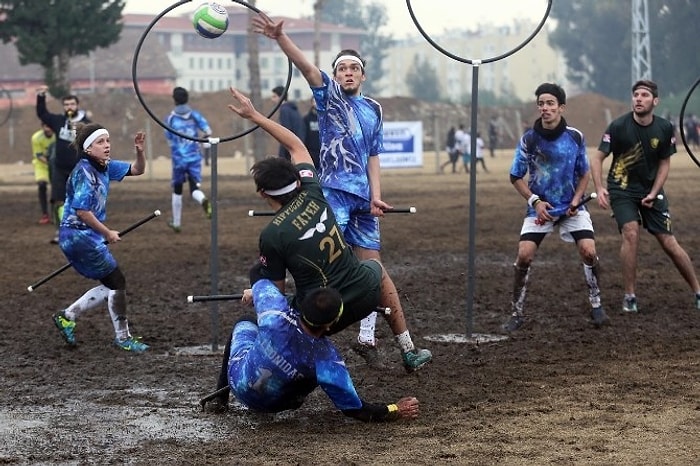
x,y
580,221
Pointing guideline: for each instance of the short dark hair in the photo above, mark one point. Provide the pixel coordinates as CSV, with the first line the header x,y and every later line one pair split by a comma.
x,y
180,95
647,84
351,52
322,306
279,92
550,88
275,173
70,97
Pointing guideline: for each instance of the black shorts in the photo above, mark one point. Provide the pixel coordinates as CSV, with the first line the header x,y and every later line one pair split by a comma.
x,y
59,178
628,208
367,302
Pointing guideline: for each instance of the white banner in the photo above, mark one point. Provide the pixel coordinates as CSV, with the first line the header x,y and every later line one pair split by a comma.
x,y
403,144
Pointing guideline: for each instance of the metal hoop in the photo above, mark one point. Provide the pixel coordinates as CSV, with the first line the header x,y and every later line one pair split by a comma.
x,y
9,110
682,126
484,60
155,117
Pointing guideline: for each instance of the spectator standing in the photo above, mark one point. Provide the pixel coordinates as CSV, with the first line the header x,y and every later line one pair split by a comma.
x,y
464,143
312,138
43,142
290,118
452,151
480,151
493,135
62,163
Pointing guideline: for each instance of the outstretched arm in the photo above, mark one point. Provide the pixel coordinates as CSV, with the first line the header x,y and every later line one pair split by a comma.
x,y
262,24
288,139
405,408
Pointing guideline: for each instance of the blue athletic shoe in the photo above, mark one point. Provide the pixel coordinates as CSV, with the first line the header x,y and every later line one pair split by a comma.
x,y
66,327
131,344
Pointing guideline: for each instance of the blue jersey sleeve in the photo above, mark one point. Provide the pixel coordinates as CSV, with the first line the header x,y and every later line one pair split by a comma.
x,y
334,379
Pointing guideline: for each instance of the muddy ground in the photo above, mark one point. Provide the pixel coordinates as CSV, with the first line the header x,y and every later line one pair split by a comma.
x,y
556,392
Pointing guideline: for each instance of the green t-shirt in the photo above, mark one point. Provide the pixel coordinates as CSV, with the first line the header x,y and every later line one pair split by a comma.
x,y
305,239
636,151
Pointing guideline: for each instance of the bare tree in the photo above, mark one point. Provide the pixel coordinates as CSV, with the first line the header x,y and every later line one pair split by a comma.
x,y
259,139
318,11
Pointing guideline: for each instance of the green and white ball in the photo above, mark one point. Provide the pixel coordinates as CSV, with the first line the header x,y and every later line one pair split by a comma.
x,y
210,20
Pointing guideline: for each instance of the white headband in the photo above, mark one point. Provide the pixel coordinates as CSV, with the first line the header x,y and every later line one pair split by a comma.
x,y
95,134
348,57
283,190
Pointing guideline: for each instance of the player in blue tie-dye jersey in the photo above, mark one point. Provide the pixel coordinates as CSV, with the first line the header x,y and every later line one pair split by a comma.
x,y
84,237
351,132
553,156
186,154
274,361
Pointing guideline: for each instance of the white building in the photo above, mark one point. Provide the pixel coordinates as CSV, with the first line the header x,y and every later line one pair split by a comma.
x,y
517,75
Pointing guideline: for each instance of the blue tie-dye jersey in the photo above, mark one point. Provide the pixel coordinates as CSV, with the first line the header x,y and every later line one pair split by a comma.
x,y
189,122
554,167
87,189
274,366
351,131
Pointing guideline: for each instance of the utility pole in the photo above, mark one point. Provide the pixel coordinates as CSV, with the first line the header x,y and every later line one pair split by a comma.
x,y
641,55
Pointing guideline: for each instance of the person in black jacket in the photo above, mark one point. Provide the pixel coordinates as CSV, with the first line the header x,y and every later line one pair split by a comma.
x,y
65,157
312,140
290,118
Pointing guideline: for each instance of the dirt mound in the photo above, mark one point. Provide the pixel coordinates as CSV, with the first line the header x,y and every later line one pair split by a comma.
x,y
123,114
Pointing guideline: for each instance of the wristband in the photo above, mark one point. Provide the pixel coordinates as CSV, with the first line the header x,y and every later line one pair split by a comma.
x,y
532,200
393,412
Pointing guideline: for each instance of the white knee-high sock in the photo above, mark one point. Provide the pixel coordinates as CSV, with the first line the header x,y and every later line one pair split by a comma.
x,y
117,311
405,342
92,299
198,195
591,274
367,326
177,209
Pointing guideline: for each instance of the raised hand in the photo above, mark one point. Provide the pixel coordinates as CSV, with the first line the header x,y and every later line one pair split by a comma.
x,y
245,109
140,141
262,24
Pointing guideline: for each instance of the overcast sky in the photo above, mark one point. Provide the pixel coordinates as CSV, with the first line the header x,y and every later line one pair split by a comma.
x,y
433,15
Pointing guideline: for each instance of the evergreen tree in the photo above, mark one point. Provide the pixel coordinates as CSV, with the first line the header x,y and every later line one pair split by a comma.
x,y
596,39
422,80
50,32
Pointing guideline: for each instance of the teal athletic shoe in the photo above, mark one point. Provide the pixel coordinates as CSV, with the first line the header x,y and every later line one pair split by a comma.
x,y
131,344
414,360
66,327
